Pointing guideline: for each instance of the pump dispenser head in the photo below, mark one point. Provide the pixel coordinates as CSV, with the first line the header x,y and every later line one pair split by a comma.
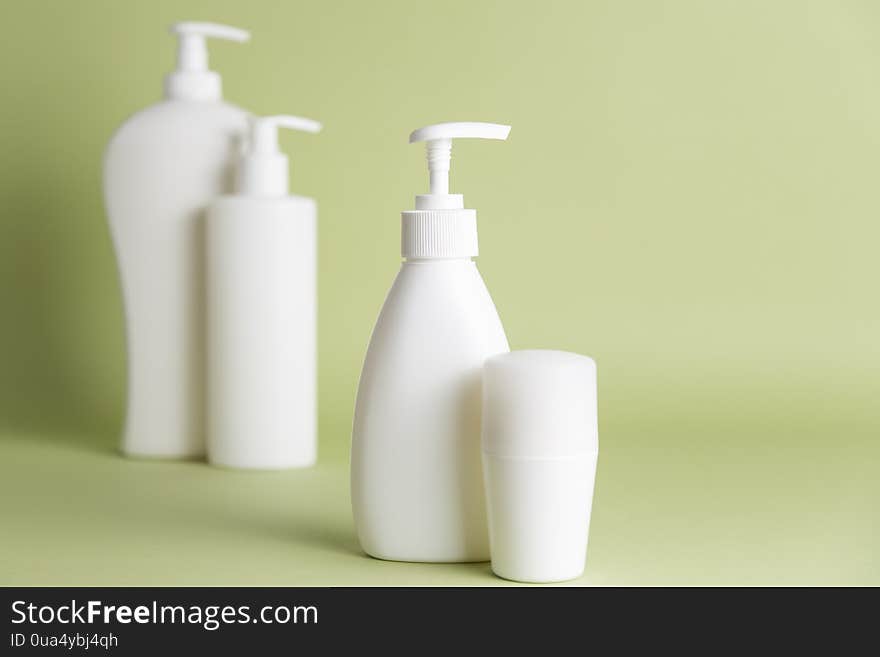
x,y
440,226
263,170
438,145
192,80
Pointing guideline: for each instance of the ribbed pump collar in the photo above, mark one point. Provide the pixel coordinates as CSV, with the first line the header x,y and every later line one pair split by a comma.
x,y
438,234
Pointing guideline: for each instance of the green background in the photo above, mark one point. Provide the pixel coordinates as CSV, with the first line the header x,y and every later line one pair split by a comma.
x,y
689,195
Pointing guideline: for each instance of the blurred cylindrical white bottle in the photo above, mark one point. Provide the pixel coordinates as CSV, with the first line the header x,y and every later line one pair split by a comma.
x,y
261,309
161,169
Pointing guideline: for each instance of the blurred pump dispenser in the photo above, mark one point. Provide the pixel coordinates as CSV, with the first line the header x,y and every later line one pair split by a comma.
x,y
261,306
161,169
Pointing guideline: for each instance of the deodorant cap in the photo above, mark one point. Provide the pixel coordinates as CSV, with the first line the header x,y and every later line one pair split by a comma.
x,y
539,404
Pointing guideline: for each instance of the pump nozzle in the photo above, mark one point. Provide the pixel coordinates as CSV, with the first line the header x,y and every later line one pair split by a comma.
x,y
263,170
192,80
438,144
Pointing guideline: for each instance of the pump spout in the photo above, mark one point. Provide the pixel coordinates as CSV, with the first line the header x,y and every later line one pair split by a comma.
x,y
192,53
263,170
264,130
439,153
438,146
192,80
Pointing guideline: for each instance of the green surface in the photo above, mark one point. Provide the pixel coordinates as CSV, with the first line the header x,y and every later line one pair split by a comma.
x,y
689,195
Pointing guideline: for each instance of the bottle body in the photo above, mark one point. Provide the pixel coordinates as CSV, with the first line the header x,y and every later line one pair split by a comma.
x,y
417,486
261,332
161,169
539,515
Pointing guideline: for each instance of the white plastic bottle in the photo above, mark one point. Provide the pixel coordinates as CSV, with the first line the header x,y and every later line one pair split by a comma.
x,y
416,482
261,255
540,449
161,169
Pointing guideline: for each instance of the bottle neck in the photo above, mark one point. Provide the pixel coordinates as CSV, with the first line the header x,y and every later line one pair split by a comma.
x,y
263,175
198,86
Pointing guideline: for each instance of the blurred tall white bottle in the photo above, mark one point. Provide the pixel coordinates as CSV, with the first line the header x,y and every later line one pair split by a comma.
x,y
416,481
161,169
261,254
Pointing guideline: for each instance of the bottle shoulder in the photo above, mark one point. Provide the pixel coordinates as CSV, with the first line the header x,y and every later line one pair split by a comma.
x,y
234,206
178,121
447,278
434,332
292,200
443,308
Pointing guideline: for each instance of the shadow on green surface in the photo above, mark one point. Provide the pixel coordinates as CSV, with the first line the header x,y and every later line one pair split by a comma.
x,y
289,506
104,443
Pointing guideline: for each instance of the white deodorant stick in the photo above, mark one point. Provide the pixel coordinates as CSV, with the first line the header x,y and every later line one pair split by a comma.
x,y
540,445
